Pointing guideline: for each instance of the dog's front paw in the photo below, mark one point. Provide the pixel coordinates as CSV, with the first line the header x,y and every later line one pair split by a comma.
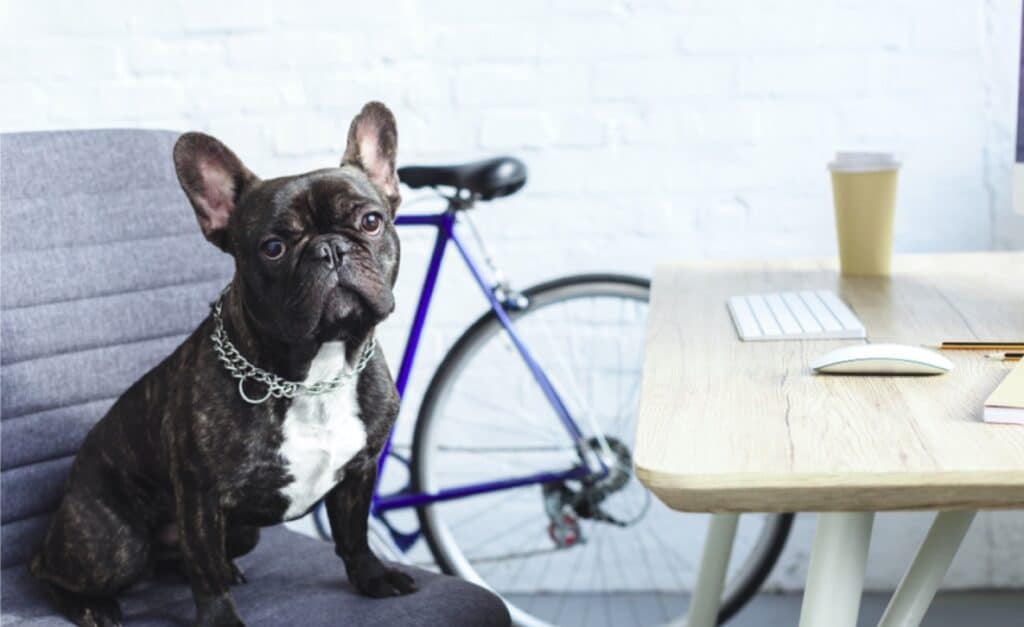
x,y
389,583
373,579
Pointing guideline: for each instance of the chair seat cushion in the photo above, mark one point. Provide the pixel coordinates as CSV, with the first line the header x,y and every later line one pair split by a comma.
x,y
293,580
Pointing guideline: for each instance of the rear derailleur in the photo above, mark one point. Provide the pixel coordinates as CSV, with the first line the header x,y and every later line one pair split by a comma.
x,y
565,505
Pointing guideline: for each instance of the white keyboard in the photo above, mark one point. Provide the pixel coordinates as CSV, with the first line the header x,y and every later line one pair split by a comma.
x,y
805,315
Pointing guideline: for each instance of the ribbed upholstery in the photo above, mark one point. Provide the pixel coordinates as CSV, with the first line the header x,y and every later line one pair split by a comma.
x,y
103,271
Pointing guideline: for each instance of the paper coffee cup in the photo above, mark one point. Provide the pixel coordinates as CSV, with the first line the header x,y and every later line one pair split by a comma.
x,y
864,195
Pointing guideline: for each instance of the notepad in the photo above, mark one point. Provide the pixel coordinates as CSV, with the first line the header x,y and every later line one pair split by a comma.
x,y
1006,404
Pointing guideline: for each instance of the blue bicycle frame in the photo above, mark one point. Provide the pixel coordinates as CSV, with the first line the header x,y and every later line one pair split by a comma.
x,y
445,223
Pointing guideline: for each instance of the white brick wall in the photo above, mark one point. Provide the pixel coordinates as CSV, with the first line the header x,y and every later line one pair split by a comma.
x,y
653,129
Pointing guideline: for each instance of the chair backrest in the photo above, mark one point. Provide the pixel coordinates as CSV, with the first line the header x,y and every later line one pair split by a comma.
x,y
103,271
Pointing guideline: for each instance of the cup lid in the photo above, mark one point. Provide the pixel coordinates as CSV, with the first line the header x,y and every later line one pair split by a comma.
x,y
863,162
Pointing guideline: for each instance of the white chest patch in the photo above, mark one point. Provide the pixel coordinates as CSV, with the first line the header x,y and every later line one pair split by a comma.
x,y
321,433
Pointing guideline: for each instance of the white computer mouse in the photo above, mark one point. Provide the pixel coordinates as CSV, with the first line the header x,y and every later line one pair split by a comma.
x,y
881,359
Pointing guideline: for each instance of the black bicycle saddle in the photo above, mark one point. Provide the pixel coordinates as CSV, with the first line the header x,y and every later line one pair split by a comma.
x,y
487,179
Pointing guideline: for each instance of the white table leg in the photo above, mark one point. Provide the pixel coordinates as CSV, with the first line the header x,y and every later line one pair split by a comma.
x,y
707,594
835,578
917,589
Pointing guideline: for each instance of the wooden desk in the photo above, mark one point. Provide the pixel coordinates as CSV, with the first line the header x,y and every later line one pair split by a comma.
x,y
729,426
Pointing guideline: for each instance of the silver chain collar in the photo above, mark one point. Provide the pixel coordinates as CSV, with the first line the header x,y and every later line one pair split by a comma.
x,y
240,368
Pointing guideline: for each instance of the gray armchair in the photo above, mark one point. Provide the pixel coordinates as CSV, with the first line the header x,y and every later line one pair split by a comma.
x,y
103,272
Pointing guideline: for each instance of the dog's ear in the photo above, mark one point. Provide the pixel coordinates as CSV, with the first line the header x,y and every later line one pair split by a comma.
x,y
213,179
372,147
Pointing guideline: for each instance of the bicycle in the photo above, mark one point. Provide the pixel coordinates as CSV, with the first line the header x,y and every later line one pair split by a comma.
x,y
515,428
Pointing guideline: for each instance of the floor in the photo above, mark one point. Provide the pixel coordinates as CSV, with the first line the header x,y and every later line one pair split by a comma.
x,y
952,609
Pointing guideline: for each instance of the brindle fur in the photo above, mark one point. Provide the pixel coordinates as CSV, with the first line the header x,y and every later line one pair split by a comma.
x,y
181,469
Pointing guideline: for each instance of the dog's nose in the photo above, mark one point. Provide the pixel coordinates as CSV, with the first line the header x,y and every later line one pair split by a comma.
x,y
325,252
331,250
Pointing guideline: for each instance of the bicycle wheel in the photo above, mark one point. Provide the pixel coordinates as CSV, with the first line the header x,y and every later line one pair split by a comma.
x,y
568,552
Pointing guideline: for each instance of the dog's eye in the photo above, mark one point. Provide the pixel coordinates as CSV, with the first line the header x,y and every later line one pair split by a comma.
x,y
272,248
372,223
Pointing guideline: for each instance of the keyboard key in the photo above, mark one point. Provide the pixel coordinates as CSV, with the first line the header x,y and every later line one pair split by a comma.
x,y
781,312
765,319
743,318
821,313
808,323
839,308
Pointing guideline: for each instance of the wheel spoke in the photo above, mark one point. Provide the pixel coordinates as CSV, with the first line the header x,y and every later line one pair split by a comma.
x,y
584,408
511,430
501,533
487,506
507,416
671,556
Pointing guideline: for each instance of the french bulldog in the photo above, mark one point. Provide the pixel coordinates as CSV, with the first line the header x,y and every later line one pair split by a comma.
x,y
192,460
